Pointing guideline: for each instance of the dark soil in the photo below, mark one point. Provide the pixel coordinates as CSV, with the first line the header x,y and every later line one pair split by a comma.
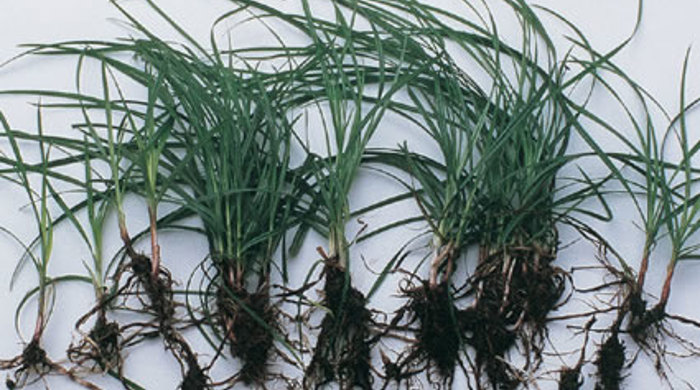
x,y
248,338
158,290
32,360
488,333
195,378
439,333
570,379
102,345
34,356
534,289
342,350
610,363
512,302
611,357
636,304
645,324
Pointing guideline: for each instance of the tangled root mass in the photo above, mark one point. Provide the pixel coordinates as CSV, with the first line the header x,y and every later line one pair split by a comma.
x,y
570,379
248,320
101,346
159,301
342,349
438,338
510,294
610,362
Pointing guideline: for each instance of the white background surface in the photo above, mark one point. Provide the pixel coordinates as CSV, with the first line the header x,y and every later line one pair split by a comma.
x,y
654,58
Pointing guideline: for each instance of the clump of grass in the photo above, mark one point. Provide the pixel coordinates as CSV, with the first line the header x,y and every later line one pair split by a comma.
x,y
237,180
150,282
671,188
497,189
216,141
662,193
136,134
679,219
446,199
34,363
246,211
102,344
342,350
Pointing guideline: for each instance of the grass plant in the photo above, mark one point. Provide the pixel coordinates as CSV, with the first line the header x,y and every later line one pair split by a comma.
x,y
666,202
129,140
342,351
214,137
34,363
495,188
237,180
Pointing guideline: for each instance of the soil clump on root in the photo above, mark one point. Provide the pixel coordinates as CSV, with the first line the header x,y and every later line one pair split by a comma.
x,y
248,320
195,378
33,359
610,363
513,292
646,324
158,290
439,337
102,345
491,337
158,300
643,322
570,378
342,350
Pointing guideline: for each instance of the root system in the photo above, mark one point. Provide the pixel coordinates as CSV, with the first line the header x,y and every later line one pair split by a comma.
x,y
570,378
156,295
248,320
102,345
491,337
35,361
439,337
514,292
610,363
195,378
645,324
158,290
342,350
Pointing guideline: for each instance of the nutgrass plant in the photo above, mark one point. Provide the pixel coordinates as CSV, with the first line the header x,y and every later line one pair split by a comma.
x,y
34,363
446,197
146,175
662,187
214,138
237,179
135,135
219,145
342,350
100,347
206,140
495,190
501,152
